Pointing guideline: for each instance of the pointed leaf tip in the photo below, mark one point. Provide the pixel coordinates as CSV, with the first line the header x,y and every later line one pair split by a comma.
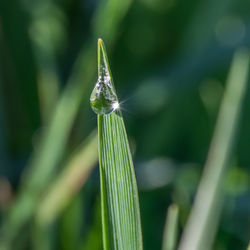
x,y
102,58
100,55
103,99
100,46
100,41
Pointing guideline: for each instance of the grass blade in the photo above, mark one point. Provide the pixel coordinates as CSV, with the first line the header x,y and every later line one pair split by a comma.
x,y
69,182
170,230
119,195
62,191
201,225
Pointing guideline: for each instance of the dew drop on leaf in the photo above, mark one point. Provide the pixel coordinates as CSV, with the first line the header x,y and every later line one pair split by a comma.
x,y
103,99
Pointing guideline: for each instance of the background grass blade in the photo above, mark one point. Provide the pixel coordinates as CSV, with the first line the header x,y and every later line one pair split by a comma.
x,y
170,230
62,191
69,182
120,204
202,223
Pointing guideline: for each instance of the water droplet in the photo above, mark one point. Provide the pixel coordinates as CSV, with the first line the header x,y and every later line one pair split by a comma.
x,y
103,99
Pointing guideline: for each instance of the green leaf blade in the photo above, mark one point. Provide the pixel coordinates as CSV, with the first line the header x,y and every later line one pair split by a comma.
x,y
203,220
120,203
171,228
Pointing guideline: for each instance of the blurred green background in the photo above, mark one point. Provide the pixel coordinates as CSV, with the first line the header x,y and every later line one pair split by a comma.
x,y
170,60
